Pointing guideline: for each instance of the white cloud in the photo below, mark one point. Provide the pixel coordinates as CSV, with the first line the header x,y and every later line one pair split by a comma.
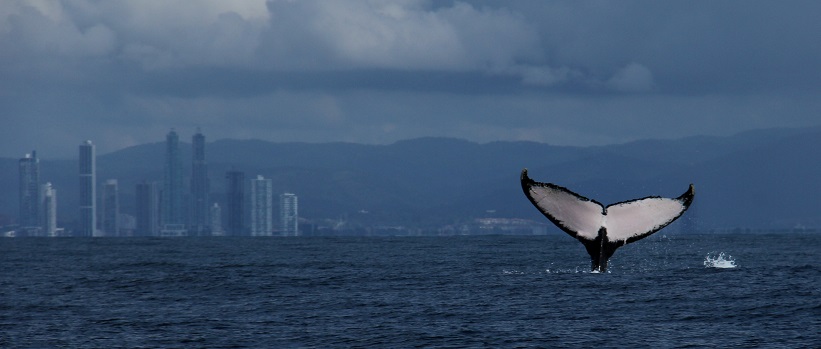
x,y
152,33
396,35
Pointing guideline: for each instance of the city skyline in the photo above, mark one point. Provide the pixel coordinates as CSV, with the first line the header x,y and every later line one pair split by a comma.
x,y
158,211
354,187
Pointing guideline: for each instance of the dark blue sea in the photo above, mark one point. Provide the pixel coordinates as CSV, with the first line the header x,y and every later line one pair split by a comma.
x,y
677,291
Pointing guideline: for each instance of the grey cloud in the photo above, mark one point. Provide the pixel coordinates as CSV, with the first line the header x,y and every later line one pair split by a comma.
x,y
540,43
581,72
632,78
42,34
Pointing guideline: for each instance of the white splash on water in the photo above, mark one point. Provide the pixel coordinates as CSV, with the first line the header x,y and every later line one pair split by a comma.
x,y
576,270
721,260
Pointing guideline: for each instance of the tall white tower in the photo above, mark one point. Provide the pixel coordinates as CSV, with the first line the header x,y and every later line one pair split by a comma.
x,y
216,220
49,210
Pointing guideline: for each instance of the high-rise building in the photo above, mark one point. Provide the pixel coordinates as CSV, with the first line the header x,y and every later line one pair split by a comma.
x,y
289,214
30,219
49,202
172,207
110,203
198,222
261,207
235,222
148,210
88,193
216,220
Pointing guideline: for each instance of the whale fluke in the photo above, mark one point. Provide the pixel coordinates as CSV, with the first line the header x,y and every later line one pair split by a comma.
x,y
603,229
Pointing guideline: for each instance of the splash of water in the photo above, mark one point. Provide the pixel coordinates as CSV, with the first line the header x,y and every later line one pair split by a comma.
x,y
576,270
720,260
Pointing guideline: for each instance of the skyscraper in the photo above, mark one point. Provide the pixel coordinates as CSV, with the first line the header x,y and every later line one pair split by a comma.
x,y
216,220
148,210
30,220
49,201
289,214
261,207
236,203
111,209
198,223
88,193
172,209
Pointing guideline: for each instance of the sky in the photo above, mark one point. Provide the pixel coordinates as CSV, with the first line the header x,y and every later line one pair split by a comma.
x,y
122,73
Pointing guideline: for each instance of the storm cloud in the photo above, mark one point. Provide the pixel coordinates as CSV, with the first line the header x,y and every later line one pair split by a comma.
x,y
571,73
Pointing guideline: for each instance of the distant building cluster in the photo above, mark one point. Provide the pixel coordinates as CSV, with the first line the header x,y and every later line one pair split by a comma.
x,y
38,202
164,208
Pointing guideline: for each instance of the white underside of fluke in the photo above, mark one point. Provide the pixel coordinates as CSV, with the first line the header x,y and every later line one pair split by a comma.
x,y
623,221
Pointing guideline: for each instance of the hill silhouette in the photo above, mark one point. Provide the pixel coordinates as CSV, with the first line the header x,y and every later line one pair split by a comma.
x,y
763,179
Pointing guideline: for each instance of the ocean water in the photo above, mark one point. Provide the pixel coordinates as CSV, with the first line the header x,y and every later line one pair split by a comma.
x,y
758,290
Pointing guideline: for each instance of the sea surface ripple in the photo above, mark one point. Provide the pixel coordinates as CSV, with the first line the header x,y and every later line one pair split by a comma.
x,y
400,292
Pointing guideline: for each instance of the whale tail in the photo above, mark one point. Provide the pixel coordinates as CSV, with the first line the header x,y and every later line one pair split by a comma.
x,y
603,229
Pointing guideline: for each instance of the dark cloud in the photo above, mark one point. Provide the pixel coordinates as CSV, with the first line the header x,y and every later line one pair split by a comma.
x,y
582,72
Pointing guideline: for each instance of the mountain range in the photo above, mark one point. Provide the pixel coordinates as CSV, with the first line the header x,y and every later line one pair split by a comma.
x,y
762,179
